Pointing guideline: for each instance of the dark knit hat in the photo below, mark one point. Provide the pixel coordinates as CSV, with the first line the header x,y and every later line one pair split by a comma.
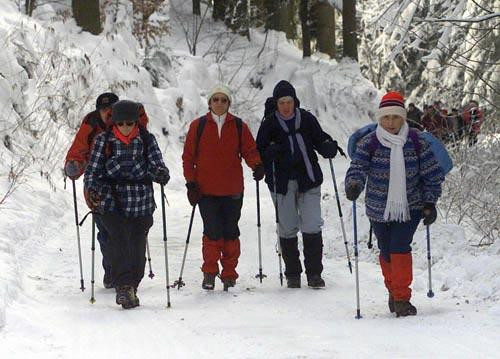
x,y
284,89
106,99
125,110
392,103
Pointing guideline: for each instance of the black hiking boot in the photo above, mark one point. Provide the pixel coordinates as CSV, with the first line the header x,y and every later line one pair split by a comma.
x,y
315,281
404,308
228,283
208,281
125,295
293,281
390,302
107,281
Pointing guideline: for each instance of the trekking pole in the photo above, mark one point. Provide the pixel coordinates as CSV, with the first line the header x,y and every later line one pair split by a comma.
x,y
165,242
340,215
354,220
278,247
259,275
430,293
82,287
92,281
179,283
151,274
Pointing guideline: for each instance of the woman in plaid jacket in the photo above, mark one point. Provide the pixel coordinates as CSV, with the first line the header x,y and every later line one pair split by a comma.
x,y
124,162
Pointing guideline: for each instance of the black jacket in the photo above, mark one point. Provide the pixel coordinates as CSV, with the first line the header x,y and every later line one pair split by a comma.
x,y
270,131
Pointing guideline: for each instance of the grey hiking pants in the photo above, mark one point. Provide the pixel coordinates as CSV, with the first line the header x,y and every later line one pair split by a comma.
x,y
299,211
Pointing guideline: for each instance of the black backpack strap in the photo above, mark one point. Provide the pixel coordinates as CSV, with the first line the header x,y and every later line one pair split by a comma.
x,y
239,127
146,141
199,131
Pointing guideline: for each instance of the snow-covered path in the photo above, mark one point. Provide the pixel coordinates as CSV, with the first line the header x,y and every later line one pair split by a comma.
x,y
52,319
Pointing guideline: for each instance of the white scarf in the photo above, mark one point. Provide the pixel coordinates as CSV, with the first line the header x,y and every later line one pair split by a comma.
x,y
396,208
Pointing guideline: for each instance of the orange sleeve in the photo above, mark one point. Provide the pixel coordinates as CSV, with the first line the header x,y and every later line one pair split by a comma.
x,y
80,149
249,148
188,160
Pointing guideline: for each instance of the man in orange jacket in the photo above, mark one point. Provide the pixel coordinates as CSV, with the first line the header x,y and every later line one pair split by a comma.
x,y
78,156
214,147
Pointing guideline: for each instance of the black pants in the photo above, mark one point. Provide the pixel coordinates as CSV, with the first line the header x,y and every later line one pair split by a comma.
x,y
220,216
127,246
102,238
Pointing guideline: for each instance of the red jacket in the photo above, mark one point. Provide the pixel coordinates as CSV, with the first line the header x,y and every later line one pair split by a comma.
x,y
217,168
473,123
91,126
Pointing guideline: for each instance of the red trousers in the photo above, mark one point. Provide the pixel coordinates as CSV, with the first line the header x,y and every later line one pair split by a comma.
x,y
225,250
398,275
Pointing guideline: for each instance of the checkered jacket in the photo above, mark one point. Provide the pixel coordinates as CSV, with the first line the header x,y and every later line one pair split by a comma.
x,y
122,173
423,175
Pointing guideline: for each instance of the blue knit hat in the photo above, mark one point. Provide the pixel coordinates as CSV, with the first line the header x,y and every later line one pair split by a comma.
x,y
284,89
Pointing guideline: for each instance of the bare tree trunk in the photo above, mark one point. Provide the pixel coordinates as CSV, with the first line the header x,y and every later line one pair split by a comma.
x,y
30,6
306,35
196,7
87,15
324,18
349,29
219,10
291,28
272,15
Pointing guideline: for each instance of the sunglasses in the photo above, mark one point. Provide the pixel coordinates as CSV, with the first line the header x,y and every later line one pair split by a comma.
x,y
128,124
221,99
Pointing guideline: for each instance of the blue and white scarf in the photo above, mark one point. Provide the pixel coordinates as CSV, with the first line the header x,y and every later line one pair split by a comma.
x,y
299,138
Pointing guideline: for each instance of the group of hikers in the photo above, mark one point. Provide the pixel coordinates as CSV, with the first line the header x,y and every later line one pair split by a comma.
x,y
450,126
120,159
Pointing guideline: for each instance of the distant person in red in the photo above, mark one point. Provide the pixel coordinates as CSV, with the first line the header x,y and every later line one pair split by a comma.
x,y
472,118
215,145
433,120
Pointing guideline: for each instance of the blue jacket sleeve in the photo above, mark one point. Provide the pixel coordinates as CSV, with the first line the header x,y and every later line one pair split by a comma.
x,y
431,174
154,158
96,165
360,163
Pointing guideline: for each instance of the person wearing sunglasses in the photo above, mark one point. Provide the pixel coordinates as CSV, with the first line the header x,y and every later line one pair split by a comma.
x,y
214,147
123,164
78,156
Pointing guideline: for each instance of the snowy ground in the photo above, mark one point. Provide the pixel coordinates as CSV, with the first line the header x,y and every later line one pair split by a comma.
x,y
53,319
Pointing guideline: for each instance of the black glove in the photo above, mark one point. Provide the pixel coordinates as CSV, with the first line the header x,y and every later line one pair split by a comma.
x,y
194,193
162,175
73,169
352,192
259,172
94,199
328,149
429,213
274,152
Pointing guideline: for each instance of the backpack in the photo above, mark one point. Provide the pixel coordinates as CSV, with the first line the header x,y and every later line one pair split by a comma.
x,y
95,122
201,127
437,147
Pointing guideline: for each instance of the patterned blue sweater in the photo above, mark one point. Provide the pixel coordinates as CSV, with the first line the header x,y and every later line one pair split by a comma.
x,y
123,175
371,164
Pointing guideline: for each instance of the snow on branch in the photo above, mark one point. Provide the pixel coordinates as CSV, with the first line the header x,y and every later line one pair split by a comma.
x,y
451,19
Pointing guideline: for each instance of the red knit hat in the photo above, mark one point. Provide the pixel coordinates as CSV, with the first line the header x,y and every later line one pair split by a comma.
x,y
392,103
